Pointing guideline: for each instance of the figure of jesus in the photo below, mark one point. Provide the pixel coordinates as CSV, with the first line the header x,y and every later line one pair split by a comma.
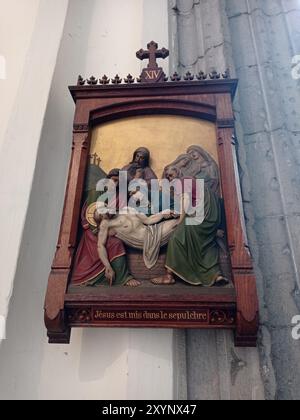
x,y
136,230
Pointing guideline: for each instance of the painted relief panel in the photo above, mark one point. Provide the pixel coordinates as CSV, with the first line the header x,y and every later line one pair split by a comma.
x,y
134,231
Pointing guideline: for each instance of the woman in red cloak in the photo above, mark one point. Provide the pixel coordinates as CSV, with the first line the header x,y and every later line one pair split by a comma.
x,y
88,269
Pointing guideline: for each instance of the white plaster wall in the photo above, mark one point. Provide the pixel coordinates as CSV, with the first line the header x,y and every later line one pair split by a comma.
x,y
32,72
156,27
100,36
16,27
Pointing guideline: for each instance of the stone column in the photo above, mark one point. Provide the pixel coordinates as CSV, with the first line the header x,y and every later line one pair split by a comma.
x,y
215,370
257,40
199,38
265,37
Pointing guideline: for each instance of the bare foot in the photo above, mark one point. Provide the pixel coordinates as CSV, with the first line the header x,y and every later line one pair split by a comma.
x,y
221,281
133,283
164,280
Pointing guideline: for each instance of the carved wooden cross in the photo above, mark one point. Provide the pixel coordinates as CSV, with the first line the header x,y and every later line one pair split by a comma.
x,y
152,73
152,53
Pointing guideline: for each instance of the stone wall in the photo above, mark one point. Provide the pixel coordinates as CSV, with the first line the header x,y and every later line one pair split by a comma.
x,y
257,40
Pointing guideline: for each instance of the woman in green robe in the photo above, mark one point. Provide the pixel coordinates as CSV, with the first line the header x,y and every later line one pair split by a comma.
x,y
193,253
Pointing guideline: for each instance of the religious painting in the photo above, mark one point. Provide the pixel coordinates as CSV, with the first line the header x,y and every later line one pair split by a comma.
x,y
152,232
138,245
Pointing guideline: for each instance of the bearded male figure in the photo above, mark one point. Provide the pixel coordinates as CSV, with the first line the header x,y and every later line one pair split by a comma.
x,y
141,159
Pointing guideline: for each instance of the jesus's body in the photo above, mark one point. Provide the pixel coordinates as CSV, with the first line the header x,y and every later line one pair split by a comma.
x,y
130,228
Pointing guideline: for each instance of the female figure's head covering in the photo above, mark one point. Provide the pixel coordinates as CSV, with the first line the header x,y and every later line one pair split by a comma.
x,y
182,163
203,154
205,167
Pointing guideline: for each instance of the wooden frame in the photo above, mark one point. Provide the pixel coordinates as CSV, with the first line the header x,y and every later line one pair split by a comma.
x,y
235,309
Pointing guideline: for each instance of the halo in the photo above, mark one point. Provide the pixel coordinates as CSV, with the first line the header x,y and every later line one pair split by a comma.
x,y
89,214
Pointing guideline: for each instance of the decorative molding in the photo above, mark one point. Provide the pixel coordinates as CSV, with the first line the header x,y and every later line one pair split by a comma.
x,y
92,81
201,75
80,128
222,317
116,80
175,77
243,271
152,75
104,81
214,75
81,142
225,123
81,81
80,316
85,145
129,79
188,76
220,141
226,74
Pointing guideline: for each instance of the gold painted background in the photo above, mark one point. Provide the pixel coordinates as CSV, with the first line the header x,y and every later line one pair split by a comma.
x,y
165,136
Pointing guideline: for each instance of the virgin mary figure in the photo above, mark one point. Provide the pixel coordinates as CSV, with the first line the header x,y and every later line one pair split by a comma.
x,y
203,166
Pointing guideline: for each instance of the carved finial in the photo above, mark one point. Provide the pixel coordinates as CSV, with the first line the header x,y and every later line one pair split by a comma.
x,y
214,75
152,73
152,53
105,80
92,81
201,75
226,74
129,79
175,77
117,80
188,76
80,81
